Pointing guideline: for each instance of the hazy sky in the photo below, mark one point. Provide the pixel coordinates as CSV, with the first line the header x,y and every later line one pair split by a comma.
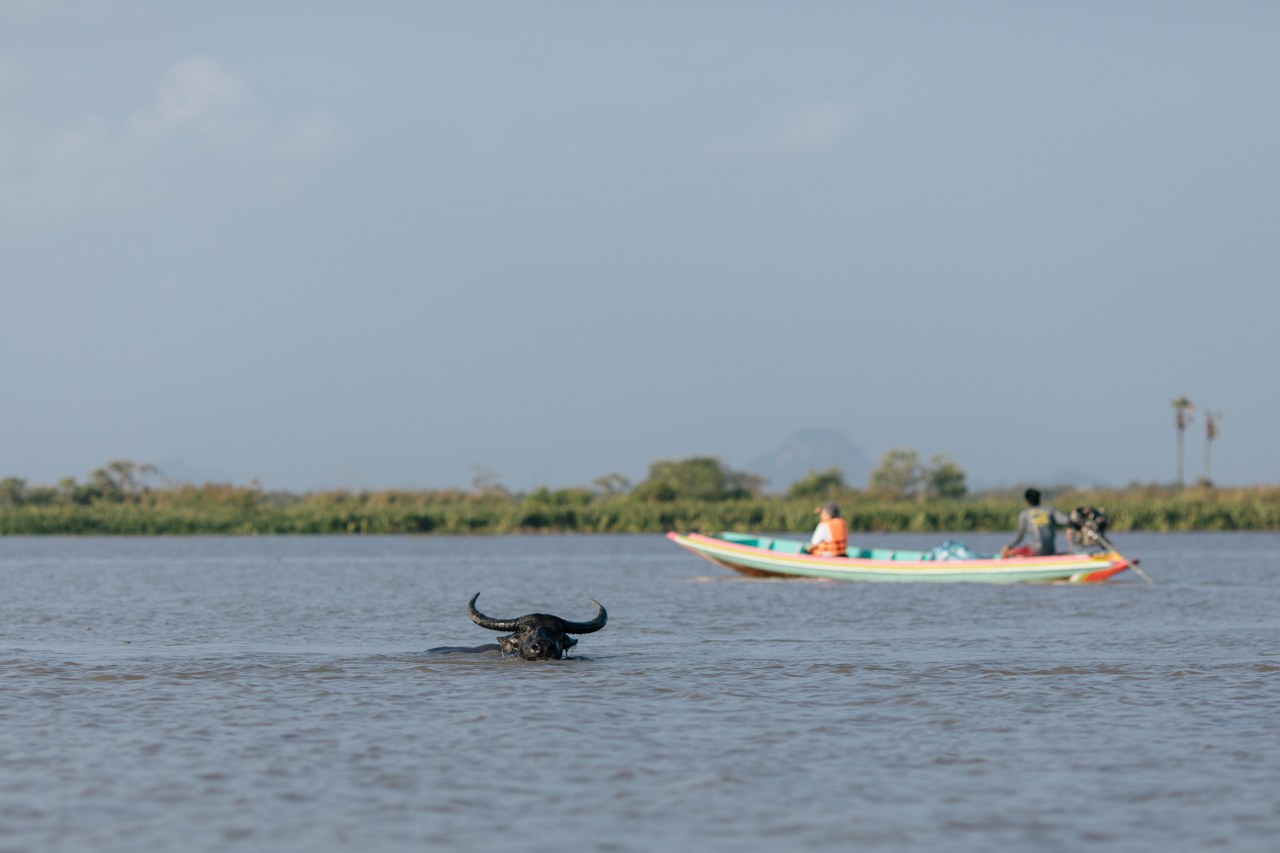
x,y
382,243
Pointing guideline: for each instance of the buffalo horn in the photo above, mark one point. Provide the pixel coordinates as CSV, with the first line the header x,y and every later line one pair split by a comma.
x,y
587,627
486,622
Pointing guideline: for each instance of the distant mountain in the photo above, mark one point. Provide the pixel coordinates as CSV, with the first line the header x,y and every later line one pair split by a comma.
x,y
1056,480
1072,477
1068,477
813,449
180,472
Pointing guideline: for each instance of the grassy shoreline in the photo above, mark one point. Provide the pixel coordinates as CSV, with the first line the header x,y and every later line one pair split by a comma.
x,y
223,511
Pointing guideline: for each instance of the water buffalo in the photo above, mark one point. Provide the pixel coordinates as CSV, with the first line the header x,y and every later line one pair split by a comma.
x,y
534,636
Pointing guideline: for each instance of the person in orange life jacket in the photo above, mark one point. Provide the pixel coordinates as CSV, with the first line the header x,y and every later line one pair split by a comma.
x,y
1040,524
831,536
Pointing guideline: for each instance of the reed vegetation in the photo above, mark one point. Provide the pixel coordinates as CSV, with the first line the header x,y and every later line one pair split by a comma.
x,y
239,510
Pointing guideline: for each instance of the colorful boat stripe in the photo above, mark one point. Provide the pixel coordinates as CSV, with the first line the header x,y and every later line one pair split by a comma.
x,y
1078,568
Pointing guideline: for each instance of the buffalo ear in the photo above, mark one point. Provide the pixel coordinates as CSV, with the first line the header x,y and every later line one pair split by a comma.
x,y
508,644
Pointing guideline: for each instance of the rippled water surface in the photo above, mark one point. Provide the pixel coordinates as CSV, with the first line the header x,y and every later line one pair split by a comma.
x,y
273,694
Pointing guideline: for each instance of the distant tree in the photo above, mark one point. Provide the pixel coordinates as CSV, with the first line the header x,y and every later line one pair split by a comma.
x,y
40,496
542,495
1210,435
944,478
898,475
662,490
1182,408
699,478
818,484
612,484
69,491
487,482
121,480
745,485
12,491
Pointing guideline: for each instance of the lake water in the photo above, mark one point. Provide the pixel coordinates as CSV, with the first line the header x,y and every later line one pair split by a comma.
x,y
273,694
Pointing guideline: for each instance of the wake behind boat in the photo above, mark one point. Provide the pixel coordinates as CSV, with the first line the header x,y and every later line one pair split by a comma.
x,y
763,556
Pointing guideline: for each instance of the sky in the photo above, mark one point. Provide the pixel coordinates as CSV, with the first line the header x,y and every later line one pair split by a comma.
x,y
393,244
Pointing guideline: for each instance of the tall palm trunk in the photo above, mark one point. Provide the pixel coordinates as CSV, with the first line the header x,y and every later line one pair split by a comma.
x,y
1205,476
1210,433
1182,408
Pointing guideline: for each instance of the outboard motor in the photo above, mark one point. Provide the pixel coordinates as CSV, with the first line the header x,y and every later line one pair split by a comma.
x,y
1089,527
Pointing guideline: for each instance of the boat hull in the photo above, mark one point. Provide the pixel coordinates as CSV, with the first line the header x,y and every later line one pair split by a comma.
x,y
755,561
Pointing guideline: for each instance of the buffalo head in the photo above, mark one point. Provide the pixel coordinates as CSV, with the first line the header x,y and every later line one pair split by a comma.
x,y
537,636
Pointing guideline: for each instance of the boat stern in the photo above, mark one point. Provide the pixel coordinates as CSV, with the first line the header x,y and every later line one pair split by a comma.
x,y
1115,564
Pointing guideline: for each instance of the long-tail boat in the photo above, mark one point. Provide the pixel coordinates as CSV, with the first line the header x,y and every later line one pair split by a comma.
x,y
764,556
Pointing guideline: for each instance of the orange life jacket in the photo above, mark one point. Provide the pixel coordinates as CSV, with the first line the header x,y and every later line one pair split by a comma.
x,y
838,545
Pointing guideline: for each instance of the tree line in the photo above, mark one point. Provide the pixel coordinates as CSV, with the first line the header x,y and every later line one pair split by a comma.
x,y
699,493
702,478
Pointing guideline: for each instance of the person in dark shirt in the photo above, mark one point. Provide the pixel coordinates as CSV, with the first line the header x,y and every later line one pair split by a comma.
x,y
1039,525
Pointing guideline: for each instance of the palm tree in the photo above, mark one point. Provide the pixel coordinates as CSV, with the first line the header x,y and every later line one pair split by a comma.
x,y
1182,416
1210,433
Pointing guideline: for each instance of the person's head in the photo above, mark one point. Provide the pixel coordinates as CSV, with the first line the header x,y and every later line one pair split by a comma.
x,y
1032,497
829,510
